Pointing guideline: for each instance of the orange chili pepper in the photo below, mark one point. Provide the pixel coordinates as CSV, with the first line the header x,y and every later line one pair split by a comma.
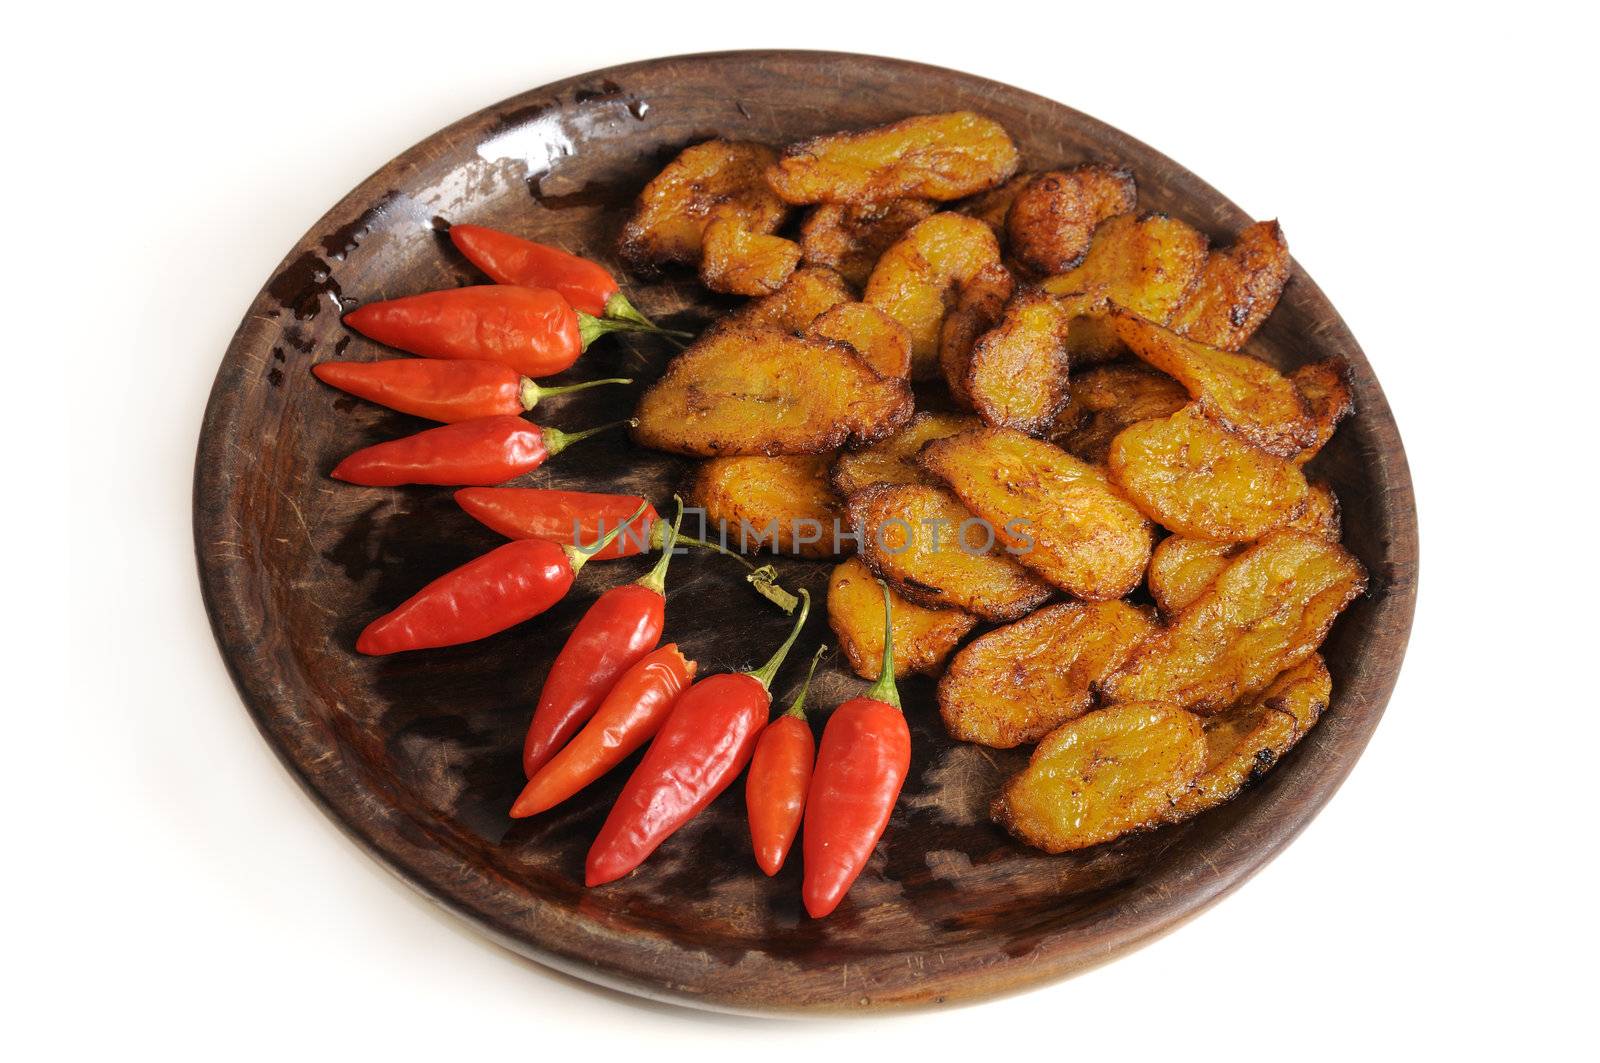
x,y
780,775
508,259
448,391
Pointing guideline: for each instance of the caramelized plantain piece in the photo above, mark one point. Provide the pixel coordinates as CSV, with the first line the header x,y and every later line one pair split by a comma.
x,y
737,261
991,207
917,280
1237,290
1104,399
923,638
1265,613
880,340
1017,374
1054,216
1243,394
1247,741
1061,517
1102,775
781,504
849,240
1147,265
805,296
894,460
1195,478
929,548
720,178
980,303
1020,682
1321,515
743,390
929,156
1326,394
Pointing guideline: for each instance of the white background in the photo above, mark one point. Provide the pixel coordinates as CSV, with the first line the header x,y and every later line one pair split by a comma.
x,y
167,885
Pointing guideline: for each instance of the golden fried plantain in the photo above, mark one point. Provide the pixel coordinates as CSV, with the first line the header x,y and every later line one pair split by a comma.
x,y
1020,682
991,207
1326,393
980,303
917,279
931,549
894,460
1061,517
1265,613
781,504
1321,515
923,638
720,178
849,240
805,296
1243,394
1104,399
880,340
1237,290
1195,478
1017,374
1054,216
737,261
1102,775
743,390
1147,265
929,156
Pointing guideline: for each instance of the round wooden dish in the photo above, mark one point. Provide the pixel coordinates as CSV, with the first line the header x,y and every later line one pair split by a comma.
x,y
417,756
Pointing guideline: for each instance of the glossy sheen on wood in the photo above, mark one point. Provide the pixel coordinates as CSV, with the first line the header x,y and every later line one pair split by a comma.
x,y
416,756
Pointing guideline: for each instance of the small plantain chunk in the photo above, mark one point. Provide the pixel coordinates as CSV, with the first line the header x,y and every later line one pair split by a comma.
x,y
805,296
849,240
894,460
918,279
880,340
980,303
1237,290
1054,217
1104,399
923,638
718,179
783,504
736,261
1017,374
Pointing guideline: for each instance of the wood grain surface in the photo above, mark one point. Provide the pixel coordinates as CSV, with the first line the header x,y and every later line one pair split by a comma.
x,y
417,756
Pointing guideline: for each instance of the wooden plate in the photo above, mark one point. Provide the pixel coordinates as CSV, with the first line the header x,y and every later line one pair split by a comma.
x,y
417,756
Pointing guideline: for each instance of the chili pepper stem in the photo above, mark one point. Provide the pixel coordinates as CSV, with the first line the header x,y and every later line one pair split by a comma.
x,y
531,391
764,578
656,578
618,308
591,328
798,709
555,440
764,674
578,556
884,689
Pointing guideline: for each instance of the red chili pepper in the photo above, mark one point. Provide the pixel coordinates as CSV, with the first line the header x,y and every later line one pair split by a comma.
x,y
574,517
780,774
488,594
628,718
508,259
703,746
480,452
444,391
620,627
861,766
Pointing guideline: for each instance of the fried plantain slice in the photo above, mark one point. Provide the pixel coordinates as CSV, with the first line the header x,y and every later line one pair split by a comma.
x,y
894,460
1243,394
736,261
781,504
806,295
917,280
1017,374
980,303
743,390
850,239
1061,517
991,207
1101,776
1195,478
1326,393
719,178
923,638
1322,513
880,340
931,549
1018,683
1246,741
1265,613
929,156
1104,399
1147,265
1237,290
1054,216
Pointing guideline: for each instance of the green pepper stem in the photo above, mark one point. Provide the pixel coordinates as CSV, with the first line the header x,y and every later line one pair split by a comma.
x,y
656,578
884,689
618,308
591,328
764,674
764,578
798,709
531,392
578,556
555,440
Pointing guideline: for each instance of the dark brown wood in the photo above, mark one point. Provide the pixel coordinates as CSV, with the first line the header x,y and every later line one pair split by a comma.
x,y
417,756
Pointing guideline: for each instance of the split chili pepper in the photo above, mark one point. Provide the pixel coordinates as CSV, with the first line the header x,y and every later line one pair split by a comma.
x,y
444,391
575,517
508,259
780,774
480,452
628,718
620,627
703,746
488,594
861,766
